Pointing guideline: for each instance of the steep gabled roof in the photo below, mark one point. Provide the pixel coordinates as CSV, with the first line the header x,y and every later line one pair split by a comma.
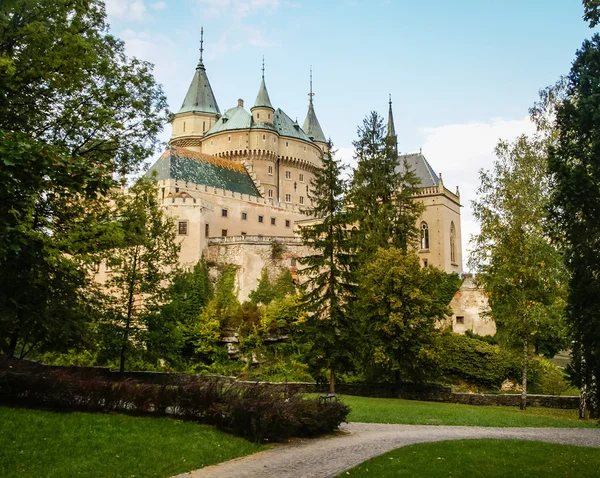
x,y
185,165
285,126
422,168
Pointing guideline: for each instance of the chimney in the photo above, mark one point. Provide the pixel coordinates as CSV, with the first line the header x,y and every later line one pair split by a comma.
x,y
240,102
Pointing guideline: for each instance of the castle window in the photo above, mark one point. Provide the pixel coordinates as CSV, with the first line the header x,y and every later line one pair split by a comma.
x,y
425,262
176,190
243,233
269,115
244,216
452,243
287,223
224,212
261,218
271,170
264,137
203,126
293,262
229,139
272,221
288,198
301,178
460,319
211,142
287,145
206,230
301,199
288,175
270,193
182,228
257,115
223,232
184,126
424,236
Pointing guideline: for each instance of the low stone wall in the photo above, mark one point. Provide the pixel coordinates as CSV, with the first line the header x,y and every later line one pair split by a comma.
x,y
430,393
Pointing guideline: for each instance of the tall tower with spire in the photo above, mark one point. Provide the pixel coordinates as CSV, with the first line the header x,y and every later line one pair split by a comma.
x,y
311,124
391,129
199,111
262,111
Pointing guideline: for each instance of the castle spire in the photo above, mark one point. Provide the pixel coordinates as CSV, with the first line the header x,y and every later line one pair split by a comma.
x,y
262,99
200,97
391,129
311,125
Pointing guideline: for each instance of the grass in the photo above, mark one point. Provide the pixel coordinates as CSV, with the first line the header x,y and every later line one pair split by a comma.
x,y
412,412
483,458
49,444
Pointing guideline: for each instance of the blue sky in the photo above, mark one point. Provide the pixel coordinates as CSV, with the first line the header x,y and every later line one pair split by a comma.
x,y
462,74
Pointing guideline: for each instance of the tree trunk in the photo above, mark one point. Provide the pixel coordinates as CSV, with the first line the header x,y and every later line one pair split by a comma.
x,y
131,294
524,371
582,402
331,381
12,344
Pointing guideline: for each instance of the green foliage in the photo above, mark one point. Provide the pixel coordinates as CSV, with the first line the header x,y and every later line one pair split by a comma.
x,y
399,304
266,291
474,361
449,286
522,271
329,330
546,378
575,169
591,13
382,191
139,268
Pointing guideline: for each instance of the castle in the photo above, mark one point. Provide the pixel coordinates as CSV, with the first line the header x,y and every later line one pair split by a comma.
x,y
238,181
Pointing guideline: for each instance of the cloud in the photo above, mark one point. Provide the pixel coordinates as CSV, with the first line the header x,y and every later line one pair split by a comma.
x,y
129,10
459,151
158,6
236,8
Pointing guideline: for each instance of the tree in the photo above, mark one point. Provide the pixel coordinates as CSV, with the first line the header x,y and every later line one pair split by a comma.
x,y
382,191
521,270
267,291
138,271
73,111
328,288
575,169
591,9
400,304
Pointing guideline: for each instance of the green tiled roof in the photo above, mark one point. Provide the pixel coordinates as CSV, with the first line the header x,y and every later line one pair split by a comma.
x,y
200,97
239,118
186,165
262,99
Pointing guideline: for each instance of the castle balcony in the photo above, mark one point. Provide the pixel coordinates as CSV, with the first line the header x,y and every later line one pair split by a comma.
x,y
255,239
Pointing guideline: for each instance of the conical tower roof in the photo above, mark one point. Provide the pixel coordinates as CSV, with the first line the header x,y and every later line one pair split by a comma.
x,y
311,125
391,128
262,99
200,97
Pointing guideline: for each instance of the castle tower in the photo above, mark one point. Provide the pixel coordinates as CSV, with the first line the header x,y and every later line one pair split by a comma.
x,y
391,129
199,111
262,111
311,124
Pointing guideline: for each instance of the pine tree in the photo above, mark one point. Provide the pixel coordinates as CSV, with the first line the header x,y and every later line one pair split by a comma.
x,y
382,190
328,288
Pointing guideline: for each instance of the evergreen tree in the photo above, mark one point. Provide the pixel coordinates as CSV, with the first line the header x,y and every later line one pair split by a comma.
x,y
521,270
328,288
382,191
575,166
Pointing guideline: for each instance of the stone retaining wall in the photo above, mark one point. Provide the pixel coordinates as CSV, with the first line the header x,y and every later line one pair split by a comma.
x,y
431,393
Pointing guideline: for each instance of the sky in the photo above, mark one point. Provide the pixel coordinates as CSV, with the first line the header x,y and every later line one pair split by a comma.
x,y
462,74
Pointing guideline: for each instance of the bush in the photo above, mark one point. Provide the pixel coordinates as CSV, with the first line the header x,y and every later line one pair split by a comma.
x,y
546,378
257,412
475,361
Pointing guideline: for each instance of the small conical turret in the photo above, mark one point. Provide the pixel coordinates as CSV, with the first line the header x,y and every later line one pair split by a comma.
x,y
200,97
391,129
262,111
311,125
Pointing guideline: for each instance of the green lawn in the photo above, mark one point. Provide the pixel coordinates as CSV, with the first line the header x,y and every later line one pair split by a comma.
x,y
390,410
48,444
483,458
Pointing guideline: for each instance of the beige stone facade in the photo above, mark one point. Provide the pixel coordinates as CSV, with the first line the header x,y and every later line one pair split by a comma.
x,y
470,310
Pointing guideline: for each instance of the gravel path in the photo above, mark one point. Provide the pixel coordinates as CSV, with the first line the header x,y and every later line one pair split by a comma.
x,y
329,456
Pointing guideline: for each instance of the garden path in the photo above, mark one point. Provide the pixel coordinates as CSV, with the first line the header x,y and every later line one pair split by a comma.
x,y
357,442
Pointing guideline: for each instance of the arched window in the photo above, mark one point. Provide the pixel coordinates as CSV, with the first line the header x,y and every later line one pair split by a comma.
x,y
452,243
424,236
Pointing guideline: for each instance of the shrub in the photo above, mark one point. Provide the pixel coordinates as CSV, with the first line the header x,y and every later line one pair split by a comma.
x,y
475,361
546,378
257,412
